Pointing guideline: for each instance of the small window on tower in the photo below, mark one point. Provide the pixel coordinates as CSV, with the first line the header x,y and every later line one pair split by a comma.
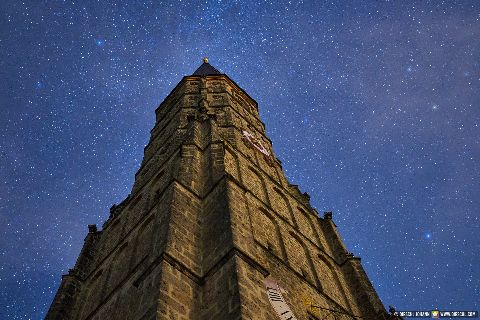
x,y
304,273
114,223
270,247
97,275
154,183
135,201
302,211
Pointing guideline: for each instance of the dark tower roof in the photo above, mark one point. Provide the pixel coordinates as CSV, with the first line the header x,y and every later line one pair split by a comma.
x,y
206,69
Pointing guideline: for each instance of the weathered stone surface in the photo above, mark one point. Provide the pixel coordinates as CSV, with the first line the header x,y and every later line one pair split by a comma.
x,y
211,214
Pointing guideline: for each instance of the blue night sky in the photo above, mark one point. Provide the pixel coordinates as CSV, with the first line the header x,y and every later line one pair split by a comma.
x,y
372,106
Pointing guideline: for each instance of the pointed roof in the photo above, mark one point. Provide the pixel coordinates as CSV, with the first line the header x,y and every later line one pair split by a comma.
x,y
206,69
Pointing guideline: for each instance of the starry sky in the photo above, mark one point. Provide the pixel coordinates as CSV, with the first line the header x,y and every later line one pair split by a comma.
x,y
372,106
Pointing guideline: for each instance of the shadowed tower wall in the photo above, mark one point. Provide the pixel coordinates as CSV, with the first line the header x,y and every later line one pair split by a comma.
x,y
210,220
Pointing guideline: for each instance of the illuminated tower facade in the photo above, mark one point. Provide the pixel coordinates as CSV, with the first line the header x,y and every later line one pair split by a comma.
x,y
212,229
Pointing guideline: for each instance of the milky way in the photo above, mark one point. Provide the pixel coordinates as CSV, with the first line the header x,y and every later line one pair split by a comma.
x,y
372,107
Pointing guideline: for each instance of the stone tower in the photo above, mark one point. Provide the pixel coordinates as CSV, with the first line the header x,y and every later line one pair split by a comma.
x,y
212,229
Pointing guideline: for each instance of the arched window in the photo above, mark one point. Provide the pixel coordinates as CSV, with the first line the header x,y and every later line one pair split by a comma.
x,y
267,233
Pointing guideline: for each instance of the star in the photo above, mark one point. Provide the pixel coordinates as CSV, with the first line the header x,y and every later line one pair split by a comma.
x,y
99,42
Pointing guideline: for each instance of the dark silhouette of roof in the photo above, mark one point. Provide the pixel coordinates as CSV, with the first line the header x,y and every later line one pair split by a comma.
x,y
206,69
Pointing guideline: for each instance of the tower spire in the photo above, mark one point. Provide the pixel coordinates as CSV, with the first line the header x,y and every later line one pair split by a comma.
x,y
206,69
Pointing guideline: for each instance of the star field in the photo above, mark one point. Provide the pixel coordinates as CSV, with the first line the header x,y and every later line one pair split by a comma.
x,y
372,107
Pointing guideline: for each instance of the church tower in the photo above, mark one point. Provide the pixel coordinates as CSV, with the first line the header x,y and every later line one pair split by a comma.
x,y
212,229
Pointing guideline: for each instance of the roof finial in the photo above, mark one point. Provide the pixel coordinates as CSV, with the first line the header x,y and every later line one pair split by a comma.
x,y
205,60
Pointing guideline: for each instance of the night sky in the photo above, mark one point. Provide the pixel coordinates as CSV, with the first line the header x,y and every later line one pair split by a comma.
x,y
372,107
